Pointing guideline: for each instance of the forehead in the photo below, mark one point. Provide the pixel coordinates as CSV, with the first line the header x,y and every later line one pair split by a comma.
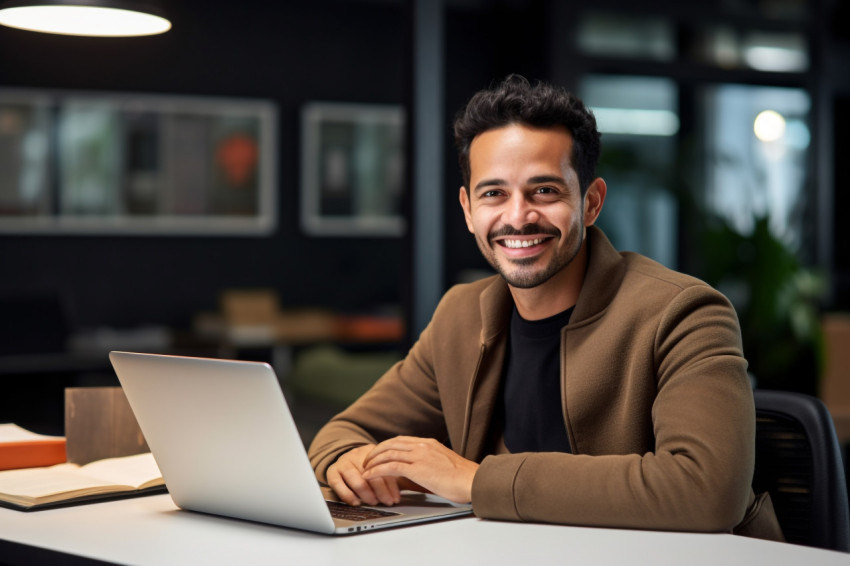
x,y
519,145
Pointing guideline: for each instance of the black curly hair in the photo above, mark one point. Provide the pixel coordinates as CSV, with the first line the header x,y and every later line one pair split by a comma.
x,y
516,101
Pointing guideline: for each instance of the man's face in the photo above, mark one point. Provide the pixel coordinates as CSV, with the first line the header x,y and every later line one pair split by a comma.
x,y
524,204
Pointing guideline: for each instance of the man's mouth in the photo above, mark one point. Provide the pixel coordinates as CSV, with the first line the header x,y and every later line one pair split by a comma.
x,y
514,244
524,242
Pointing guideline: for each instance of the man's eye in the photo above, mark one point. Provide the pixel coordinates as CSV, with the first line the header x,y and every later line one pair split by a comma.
x,y
546,190
487,194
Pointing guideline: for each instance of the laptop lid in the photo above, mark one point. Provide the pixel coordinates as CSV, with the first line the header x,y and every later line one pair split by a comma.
x,y
226,443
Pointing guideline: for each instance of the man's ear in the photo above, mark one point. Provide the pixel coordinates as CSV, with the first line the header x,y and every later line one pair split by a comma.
x,y
594,198
467,213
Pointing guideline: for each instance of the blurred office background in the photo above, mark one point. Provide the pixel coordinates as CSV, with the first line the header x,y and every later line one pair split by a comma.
x,y
277,181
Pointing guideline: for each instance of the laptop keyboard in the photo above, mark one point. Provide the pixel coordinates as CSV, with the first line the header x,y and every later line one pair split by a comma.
x,y
351,513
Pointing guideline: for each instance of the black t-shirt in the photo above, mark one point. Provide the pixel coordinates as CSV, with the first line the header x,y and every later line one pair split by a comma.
x,y
531,391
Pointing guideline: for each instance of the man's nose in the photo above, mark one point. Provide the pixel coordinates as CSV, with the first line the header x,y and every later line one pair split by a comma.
x,y
520,211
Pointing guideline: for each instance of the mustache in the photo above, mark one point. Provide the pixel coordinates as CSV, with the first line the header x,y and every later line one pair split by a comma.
x,y
527,230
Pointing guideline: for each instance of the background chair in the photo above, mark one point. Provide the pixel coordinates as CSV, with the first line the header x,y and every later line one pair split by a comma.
x,y
798,460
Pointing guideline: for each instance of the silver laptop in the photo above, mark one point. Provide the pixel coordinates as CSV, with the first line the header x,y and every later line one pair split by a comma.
x,y
225,441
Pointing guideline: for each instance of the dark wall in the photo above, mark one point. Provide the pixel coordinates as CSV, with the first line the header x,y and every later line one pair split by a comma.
x,y
841,251
322,50
837,58
483,45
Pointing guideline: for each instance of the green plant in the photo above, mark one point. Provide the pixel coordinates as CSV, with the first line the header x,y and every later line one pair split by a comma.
x,y
777,300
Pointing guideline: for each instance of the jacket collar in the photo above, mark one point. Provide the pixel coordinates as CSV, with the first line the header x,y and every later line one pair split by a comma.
x,y
496,304
606,269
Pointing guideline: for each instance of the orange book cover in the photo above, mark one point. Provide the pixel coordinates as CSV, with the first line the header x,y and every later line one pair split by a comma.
x,y
20,448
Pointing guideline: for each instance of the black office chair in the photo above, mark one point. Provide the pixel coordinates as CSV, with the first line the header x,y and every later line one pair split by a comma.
x,y
798,460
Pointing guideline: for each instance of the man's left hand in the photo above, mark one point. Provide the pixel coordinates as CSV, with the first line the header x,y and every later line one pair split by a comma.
x,y
425,462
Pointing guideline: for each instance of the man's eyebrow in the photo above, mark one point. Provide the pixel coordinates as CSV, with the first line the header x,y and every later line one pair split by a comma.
x,y
489,183
541,179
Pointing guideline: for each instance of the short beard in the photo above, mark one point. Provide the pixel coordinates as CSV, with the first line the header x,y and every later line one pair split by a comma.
x,y
522,279
525,279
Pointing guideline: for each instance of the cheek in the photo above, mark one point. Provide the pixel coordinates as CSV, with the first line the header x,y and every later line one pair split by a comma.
x,y
568,223
478,222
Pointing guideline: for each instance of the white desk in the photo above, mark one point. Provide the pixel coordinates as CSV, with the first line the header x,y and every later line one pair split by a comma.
x,y
151,530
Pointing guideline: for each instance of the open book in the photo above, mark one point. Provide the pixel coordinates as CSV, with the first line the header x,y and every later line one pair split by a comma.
x,y
62,484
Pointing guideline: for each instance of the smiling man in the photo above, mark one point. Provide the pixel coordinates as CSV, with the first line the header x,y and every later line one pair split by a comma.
x,y
528,213
580,385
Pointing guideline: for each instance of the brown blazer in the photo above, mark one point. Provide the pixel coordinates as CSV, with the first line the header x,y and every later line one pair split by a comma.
x,y
657,403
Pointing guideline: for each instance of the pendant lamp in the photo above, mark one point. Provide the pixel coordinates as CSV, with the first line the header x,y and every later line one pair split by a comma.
x,y
100,18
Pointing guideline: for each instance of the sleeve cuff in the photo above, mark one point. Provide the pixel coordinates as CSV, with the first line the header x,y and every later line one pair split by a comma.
x,y
493,494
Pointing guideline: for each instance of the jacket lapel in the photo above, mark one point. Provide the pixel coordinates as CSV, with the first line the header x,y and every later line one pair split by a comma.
x,y
483,394
605,272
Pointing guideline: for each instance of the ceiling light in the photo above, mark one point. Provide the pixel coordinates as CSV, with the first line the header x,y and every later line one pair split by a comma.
x,y
637,122
769,126
772,52
100,18
776,59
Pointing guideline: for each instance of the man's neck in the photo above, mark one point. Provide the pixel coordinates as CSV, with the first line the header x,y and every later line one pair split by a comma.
x,y
557,294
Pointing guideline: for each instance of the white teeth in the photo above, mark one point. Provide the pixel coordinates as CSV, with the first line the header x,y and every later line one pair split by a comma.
x,y
522,243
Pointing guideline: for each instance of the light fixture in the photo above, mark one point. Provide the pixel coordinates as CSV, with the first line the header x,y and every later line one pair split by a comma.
x,y
769,126
778,53
636,122
100,18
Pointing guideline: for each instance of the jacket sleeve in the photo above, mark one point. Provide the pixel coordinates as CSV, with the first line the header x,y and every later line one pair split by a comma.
x,y
698,475
404,401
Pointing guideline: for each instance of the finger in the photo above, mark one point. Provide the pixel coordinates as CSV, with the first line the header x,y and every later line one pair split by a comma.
x,y
355,481
390,450
386,490
390,469
401,456
381,448
394,487
340,488
400,443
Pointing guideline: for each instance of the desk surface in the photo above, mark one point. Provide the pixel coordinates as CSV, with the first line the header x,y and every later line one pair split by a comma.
x,y
151,530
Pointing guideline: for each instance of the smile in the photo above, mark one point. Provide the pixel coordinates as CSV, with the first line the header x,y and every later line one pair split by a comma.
x,y
516,244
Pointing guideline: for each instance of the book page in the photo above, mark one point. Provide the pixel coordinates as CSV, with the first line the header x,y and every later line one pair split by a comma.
x,y
41,482
136,470
10,432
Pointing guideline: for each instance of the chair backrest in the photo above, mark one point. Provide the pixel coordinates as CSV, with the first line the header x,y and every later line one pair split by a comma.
x,y
799,461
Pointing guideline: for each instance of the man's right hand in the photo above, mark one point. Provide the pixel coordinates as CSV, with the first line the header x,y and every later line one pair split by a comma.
x,y
345,477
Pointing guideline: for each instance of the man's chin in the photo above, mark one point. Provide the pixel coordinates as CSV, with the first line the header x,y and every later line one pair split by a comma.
x,y
525,280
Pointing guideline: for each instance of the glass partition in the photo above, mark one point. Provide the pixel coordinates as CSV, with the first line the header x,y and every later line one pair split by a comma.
x,y
757,141
638,119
